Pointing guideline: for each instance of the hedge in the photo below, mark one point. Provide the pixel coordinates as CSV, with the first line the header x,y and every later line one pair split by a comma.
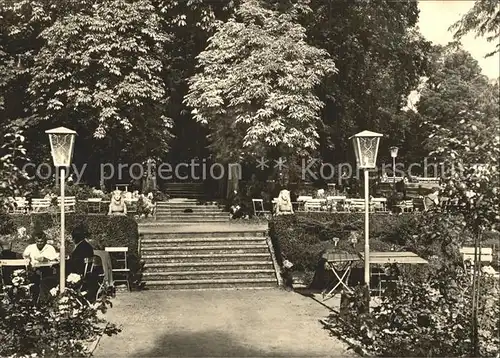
x,y
301,238
103,231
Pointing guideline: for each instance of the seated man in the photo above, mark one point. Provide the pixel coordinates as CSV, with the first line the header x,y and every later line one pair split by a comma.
x,y
83,250
40,251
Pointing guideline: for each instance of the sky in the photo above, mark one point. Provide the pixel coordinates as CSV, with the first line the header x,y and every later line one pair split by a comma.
x,y
435,19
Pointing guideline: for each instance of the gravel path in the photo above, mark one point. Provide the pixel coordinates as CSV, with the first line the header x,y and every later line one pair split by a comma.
x,y
218,323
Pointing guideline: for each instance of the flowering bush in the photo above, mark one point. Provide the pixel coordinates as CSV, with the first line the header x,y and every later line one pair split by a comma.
x,y
424,318
61,326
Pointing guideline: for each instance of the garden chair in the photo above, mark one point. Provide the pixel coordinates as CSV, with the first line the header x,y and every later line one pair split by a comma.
x,y
69,203
258,207
7,268
485,257
102,269
40,205
121,270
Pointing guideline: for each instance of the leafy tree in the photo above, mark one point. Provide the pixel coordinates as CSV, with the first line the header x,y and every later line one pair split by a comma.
x,y
255,88
380,56
461,109
101,65
484,20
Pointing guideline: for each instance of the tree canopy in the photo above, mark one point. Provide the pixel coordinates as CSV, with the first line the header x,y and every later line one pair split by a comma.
x,y
255,88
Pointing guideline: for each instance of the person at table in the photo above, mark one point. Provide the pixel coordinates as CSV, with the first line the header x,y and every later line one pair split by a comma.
x,y
43,277
40,251
83,250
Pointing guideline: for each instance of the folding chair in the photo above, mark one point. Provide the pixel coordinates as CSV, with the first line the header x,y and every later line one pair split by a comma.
x,y
7,268
122,269
101,268
258,207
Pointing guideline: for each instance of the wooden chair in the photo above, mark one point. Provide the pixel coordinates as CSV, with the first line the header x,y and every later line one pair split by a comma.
x,y
69,203
379,204
258,207
94,205
121,269
405,206
40,205
301,200
21,205
7,268
485,255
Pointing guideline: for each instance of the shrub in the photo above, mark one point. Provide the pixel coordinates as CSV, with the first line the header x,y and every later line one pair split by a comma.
x,y
61,326
429,318
301,238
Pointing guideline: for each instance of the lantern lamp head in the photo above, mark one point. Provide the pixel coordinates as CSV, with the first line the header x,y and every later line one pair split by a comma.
x,y
62,142
366,148
394,151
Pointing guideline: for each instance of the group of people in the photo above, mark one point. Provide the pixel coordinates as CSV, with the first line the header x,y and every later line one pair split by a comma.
x,y
42,252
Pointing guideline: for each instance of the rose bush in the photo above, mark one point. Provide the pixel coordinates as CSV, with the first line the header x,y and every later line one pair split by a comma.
x,y
63,325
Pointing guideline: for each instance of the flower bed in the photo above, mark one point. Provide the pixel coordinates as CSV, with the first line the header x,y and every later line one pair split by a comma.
x,y
63,325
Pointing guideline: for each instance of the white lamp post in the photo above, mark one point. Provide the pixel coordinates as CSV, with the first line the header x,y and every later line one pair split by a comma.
x,y
394,154
366,148
62,141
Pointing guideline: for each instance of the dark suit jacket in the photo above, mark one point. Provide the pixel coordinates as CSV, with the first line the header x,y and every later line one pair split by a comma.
x,y
76,262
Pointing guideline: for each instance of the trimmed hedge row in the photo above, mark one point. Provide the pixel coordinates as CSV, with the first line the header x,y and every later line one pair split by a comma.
x,y
104,230
301,238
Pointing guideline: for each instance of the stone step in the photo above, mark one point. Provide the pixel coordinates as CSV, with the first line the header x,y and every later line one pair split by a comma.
x,y
209,274
198,234
211,249
207,266
216,258
205,241
191,216
212,283
205,213
169,219
193,211
166,204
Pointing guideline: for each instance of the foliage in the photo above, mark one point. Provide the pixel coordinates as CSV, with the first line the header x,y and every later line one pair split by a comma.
x,y
104,63
302,238
62,326
255,89
483,19
428,318
380,56
12,156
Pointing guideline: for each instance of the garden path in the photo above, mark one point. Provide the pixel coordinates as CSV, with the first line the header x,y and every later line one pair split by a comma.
x,y
218,323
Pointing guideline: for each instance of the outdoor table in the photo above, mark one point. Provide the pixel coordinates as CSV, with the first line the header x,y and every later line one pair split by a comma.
x,y
345,260
392,257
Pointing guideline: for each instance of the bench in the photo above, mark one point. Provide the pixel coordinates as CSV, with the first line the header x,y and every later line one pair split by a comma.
x,y
40,205
314,204
357,205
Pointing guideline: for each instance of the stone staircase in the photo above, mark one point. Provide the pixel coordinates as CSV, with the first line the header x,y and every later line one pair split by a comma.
x,y
207,259
189,210
186,190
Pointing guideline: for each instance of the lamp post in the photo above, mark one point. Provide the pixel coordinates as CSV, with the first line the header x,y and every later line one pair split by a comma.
x,y
394,154
366,148
62,141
